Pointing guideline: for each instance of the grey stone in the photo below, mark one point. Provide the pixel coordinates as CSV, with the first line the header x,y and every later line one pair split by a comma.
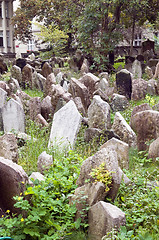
x,y
27,75
123,130
122,150
38,81
91,82
103,84
34,107
78,89
13,179
47,109
146,125
79,105
154,149
139,89
3,100
65,126
136,69
149,72
88,195
46,69
16,73
47,84
99,114
44,161
103,218
156,75
39,119
9,147
36,176
13,117
109,157
118,102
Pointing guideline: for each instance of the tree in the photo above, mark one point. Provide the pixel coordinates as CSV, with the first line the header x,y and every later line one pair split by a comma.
x,y
99,28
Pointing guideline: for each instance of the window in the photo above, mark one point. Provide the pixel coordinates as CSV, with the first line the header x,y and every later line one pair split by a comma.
x,y
0,9
137,40
1,38
8,39
31,45
7,9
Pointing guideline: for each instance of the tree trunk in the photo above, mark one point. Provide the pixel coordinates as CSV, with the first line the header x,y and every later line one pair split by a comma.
x,y
132,36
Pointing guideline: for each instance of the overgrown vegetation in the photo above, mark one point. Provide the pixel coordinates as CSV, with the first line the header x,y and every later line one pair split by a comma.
x,y
46,212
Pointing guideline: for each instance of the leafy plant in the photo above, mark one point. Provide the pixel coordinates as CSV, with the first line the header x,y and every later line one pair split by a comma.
x,y
101,174
45,209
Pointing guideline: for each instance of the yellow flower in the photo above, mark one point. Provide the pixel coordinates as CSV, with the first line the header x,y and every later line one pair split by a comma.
x,y
22,182
8,211
2,216
21,194
26,193
19,198
22,219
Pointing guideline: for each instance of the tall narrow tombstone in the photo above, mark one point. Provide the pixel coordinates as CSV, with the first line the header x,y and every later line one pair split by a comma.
x,y
136,69
65,126
13,117
124,83
3,99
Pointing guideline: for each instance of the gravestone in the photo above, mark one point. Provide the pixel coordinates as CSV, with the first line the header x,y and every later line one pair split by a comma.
x,y
12,182
3,99
136,69
13,117
65,126
103,218
124,83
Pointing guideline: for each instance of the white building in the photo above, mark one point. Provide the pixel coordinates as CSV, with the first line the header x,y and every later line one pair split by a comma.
x,y
6,28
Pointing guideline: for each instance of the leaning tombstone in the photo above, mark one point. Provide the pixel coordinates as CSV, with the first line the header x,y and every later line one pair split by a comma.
x,y
3,99
65,126
13,117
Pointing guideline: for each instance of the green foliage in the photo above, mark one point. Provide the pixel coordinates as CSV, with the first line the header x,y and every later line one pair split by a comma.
x,y
46,212
56,38
33,92
28,154
101,174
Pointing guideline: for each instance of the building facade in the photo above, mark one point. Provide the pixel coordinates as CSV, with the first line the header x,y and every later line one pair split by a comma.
x,y
6,27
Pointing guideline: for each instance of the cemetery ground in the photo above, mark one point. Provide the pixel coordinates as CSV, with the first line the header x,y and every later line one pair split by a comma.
x,y
49,215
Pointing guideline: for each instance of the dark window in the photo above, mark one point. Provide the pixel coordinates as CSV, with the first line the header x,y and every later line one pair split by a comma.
x,y
1,38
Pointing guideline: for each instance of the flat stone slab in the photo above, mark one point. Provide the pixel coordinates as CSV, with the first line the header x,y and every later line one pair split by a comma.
x,y
65,126
13,117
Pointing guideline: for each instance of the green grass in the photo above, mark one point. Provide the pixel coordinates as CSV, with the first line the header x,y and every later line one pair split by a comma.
x,y
33,92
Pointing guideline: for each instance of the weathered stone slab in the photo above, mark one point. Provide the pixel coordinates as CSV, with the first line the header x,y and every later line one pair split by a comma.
x,y
154,150
9,147
136,69
146,125
119,102
13,117
65,126
44,161
99,114
12,183
123,130
102,218
124,83
3,100
122,150
109,157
